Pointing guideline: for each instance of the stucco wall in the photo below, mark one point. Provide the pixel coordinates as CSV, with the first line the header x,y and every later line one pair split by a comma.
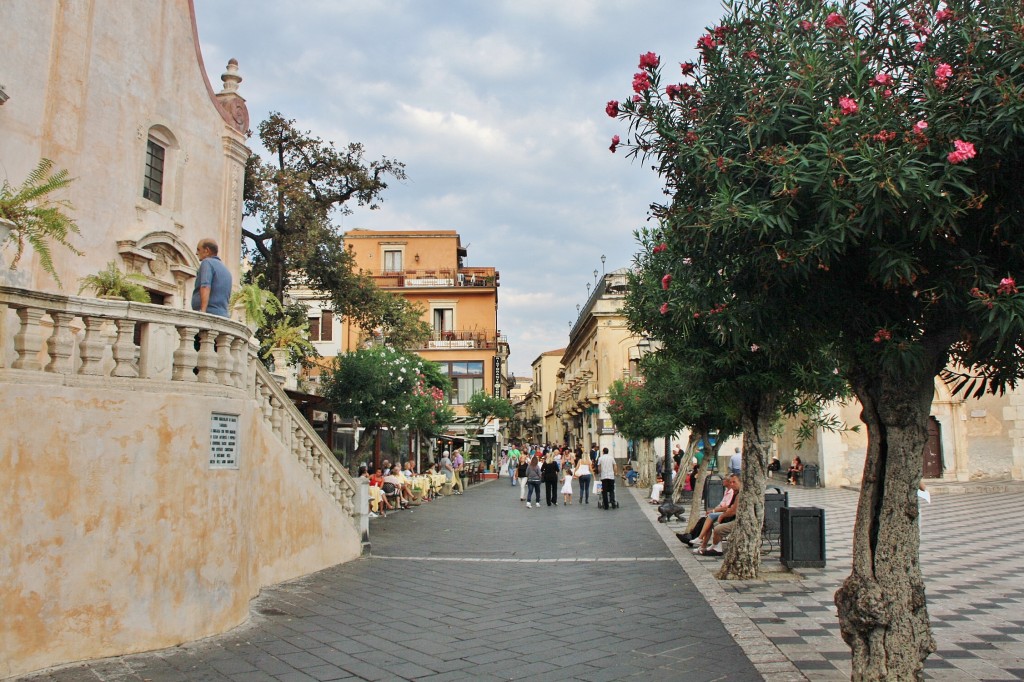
x,y
87,81
117,537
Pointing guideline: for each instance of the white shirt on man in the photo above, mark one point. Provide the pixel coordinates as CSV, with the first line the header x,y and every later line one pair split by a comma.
x,y
606,465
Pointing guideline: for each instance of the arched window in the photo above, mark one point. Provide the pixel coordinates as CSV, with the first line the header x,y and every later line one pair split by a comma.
x,y
160,144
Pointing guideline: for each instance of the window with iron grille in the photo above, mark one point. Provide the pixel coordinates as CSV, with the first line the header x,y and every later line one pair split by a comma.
x,y
153,181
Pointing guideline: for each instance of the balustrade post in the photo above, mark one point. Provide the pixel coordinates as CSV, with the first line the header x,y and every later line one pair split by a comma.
x,y
92,345
275,414
207,357
185,356
225,363
28,342
125,351
238,362
268,410
61,343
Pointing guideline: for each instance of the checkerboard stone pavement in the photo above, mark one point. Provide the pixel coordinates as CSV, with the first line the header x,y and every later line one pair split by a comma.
x,y
973,582
478,587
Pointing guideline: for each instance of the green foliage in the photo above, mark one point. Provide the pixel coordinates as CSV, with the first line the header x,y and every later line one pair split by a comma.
x,y
294,196
38,219
258,303
111,281
384,387
813,203
291,337
488,407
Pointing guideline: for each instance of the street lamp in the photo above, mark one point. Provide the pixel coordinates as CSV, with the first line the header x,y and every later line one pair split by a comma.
x,y
602,262
595,277
588,289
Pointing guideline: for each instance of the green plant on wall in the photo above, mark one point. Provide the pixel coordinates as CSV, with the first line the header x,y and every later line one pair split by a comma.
x,y
37,219
290,337
112,282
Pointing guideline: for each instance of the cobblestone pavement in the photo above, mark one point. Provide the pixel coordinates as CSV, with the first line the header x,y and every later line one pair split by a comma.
x,y
478,587
973,582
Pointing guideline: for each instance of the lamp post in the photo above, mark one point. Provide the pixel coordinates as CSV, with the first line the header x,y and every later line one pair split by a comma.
x,y
602,262
595,277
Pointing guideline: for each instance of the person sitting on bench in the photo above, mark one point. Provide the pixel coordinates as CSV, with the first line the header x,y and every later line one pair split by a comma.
x,y
723,513
796,468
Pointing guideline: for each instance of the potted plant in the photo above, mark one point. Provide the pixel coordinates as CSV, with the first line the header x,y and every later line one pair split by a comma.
x,y
113,283
288,340
254,304
32,217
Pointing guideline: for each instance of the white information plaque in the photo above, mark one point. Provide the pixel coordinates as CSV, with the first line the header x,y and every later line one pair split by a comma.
x,y
223,441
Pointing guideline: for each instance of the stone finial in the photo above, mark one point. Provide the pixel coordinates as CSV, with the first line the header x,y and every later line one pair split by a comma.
x,y
230,77
230,102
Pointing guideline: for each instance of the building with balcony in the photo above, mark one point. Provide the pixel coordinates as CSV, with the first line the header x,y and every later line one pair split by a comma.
x,y
460,303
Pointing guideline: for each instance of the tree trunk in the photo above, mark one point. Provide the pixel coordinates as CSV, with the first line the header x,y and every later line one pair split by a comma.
x,y
645,463
710,454
742,560
881,605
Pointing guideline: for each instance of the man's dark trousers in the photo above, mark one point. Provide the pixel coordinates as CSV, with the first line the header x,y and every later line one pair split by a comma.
x,y
608,493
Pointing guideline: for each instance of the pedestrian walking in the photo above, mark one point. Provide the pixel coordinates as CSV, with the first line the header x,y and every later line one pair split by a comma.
x,y
521,466
583,473
607,469
533,479
549,472
566,485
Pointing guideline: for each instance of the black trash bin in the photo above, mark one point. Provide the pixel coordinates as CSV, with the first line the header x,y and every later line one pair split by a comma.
x,y
773,504
714,490
810,476
803,537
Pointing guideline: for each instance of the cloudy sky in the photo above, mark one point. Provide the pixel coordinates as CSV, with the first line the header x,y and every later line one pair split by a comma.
x,y
497,109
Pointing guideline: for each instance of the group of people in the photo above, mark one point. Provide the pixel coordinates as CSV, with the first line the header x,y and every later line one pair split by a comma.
x,y
707,534
548,465
394,487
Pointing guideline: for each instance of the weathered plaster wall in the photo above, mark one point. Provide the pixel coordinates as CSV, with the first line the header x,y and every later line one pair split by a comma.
x,y
117,537
87,81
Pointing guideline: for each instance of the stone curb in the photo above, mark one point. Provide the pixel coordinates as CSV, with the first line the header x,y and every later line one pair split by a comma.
x,y
763,654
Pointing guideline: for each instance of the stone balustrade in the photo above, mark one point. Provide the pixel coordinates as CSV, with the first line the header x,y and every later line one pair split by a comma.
x,y
68,338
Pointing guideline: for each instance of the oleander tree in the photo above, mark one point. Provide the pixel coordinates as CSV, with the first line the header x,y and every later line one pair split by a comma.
x,y
848,173
728,379
381,387
637,415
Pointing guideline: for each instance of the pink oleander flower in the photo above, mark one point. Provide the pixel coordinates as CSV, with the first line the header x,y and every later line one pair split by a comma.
x,y
696,316
943,15
1007,286
885,136
690,137
920,127
615,143
665,281
612,108
806,25
752,54
962,152
882,335
919,47
687,68
835,20
882,79
887,93
641,82
848,106
673,90
649,61
943,71
660,248
663,309
637,98
707,42
754,348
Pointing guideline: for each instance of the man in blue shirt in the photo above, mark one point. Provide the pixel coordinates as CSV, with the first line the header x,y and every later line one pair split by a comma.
x,y
213,281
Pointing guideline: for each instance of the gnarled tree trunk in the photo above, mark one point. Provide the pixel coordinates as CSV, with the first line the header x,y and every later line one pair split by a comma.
x,y
882,608
742,560
645,463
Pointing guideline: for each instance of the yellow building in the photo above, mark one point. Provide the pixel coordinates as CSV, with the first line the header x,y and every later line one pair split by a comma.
x,y
461,304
